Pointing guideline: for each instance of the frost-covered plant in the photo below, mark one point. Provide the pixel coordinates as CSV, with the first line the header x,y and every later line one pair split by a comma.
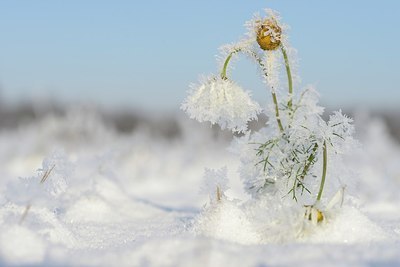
x,y
288,157
45,188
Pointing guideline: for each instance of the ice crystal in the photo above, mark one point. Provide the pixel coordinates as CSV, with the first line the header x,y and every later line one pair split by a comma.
x,y
254,24
271,163
244,46
223,102
47,186
216,182
341,131
271,61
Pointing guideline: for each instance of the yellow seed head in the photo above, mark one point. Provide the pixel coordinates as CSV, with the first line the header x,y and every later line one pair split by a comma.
x,y
269,35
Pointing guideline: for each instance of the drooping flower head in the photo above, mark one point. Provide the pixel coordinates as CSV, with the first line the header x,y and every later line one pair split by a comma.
x,y
223,102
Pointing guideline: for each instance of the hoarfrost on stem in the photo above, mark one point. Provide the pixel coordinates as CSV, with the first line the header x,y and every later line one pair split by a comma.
x,y
48,186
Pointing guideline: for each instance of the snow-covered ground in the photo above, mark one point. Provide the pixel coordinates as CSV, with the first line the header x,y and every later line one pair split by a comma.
x,y
74,192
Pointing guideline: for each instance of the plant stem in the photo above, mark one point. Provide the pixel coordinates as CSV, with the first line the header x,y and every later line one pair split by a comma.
x,y
223,72
278,119
27,208
324,165
219,194
289,76
309,161
274,98
263,68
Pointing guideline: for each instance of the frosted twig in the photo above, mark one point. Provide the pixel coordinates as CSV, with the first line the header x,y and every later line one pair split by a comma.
x,y
47,174
27,208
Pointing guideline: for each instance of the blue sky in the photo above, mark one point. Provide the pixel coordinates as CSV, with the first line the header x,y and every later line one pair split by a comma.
x,y
143,54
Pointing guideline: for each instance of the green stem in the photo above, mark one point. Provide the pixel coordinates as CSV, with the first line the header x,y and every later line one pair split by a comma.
x,y
309,162
273,94
259,61
278,119
289,76
324,164
223,72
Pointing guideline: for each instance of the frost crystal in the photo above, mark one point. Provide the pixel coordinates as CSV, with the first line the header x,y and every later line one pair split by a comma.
x,y
272,67
254,24
340,130
221,102
48,186
216,182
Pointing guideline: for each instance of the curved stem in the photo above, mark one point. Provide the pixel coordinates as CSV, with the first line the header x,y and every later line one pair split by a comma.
x,y
324,166
274,98
289,76
264,69
223,72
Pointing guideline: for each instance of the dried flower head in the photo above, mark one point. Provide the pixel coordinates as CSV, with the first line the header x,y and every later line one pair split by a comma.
x,y
269,34
223,102
313,214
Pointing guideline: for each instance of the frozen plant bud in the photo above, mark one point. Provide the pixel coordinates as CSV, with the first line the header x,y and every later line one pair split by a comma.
x,y
269,34
313,214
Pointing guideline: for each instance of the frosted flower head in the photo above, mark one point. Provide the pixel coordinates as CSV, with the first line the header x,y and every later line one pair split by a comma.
x,y
266,30
269,34
221,101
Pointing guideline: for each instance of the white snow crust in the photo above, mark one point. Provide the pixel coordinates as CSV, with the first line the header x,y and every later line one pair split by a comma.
x,y
116,199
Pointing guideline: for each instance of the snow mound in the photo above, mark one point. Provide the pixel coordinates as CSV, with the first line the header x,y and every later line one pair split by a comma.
x,y
226,221
21,246
348,226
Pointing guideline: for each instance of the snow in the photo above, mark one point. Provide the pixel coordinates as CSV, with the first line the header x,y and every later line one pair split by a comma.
x,y
20,245
226,221
117,199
